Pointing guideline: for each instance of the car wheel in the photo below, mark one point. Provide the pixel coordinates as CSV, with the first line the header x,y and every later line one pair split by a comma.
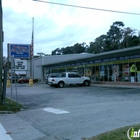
x,y
61,84
86,83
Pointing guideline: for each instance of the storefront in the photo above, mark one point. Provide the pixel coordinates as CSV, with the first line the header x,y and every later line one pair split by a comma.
x,y
121,65
122,69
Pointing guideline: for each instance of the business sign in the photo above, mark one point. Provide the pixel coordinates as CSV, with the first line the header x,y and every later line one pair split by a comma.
x,y
126,70
20,64
116,70
133,68
19,50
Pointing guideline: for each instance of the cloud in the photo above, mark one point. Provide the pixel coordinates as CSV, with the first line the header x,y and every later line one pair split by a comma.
x,y
58,26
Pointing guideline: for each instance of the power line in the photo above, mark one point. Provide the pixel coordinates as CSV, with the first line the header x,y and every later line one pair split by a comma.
x,y
89,8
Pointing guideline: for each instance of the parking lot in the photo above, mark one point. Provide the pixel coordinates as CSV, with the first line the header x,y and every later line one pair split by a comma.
x,y
70,113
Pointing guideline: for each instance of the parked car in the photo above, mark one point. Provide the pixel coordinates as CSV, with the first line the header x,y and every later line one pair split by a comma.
x,y
14,78
26,80
52,75
23,80
68,78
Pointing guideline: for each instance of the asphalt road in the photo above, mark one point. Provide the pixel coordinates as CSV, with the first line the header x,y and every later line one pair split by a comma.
x,y
86,111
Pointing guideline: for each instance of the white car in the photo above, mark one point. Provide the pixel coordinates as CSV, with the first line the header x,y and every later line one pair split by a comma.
x,y
68,78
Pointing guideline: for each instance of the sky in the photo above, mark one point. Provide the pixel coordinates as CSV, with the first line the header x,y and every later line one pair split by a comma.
x,y
58,26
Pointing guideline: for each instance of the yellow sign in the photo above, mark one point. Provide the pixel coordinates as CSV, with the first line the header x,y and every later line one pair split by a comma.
x,y
133,68
88,72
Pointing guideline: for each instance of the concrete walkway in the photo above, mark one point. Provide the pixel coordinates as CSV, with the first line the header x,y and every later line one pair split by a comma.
x,y
116,84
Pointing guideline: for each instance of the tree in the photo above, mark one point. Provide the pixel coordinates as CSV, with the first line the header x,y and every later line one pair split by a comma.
x,y
114,36
100,43
67,50
110,41
41,54
129,38
76,48
57,51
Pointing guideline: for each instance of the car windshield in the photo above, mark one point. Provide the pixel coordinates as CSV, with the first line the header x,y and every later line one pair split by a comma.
x,y
54,75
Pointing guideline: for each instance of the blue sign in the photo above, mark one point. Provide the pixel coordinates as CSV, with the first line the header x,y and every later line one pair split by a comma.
x,y
19,50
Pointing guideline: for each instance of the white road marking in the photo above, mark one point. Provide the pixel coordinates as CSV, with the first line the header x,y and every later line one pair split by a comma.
x,y
55,111
3,135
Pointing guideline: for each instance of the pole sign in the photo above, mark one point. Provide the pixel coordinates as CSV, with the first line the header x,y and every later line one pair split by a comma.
x,y
19,50
20,64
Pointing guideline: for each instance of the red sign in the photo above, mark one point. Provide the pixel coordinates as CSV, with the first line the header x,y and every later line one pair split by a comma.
x,y
126,70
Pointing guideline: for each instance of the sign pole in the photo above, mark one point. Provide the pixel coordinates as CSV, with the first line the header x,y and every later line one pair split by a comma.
x,y
8,81
30,80
33,45
1,51
32,56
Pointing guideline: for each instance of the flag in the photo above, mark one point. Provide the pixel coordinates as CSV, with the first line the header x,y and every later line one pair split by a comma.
x,y
32,40
32,45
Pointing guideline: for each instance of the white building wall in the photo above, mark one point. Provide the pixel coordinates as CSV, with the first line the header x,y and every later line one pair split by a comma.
x,y
36,68
28,69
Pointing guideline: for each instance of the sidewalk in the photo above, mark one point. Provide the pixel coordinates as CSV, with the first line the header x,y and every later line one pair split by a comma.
x,y
111,84
13,127
116,84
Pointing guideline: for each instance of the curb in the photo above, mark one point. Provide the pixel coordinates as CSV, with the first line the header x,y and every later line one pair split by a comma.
x,y
115,86
6,112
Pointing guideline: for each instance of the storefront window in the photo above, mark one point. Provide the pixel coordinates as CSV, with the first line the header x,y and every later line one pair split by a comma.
x,y
138,71
97,73
110,73
126,72
93,74
88,71
81,71
115,72
105,78
120,75
102,72
133,72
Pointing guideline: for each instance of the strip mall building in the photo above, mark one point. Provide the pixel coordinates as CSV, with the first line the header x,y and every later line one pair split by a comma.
x,y
119,65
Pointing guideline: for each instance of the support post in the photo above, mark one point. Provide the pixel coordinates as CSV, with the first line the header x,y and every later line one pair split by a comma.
x,y
1,51
32,55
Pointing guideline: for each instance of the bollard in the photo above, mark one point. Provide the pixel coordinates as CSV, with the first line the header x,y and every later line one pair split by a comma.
x,y
31,82
8,83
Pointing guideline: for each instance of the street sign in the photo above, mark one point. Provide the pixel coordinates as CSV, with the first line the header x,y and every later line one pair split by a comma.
x,y
126,70
19,50
116,70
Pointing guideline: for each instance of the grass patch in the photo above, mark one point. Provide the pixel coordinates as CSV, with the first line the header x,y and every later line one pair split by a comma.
x,y
117,134
10,106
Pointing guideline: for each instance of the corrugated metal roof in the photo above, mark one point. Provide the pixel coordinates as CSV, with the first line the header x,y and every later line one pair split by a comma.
x,y
64,58
55,59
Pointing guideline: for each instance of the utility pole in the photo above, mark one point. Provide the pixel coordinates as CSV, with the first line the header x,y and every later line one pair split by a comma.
x,y
1,50
32,56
